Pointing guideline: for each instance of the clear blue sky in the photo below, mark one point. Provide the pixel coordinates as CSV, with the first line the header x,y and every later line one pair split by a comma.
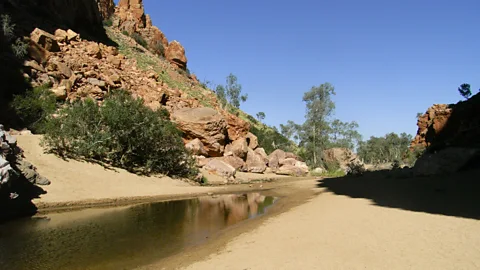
x,y
388,60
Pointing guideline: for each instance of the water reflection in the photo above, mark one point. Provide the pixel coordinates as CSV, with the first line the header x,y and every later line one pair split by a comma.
x,y
121,238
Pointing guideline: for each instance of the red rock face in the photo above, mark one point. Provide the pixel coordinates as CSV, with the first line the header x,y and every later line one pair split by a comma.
x,y
454,125
175,54
132,18
106,8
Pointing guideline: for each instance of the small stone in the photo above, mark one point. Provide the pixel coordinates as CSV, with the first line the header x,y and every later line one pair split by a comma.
x,y
94,50
64,69
96,82
33,64
60,92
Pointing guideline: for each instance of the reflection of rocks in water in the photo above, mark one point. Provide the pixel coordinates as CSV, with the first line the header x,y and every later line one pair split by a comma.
x,y
229,209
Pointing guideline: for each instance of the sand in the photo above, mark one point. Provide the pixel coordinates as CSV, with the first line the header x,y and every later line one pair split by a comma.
x,y
74,182
338,232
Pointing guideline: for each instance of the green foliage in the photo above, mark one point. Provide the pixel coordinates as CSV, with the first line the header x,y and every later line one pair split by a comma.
x,y
270,139
414,154
19,47
230,94
125,33
260,116
385,149
344,135
123,132
465,91
34,106
158,48
329,174
108,22
140,40
419,115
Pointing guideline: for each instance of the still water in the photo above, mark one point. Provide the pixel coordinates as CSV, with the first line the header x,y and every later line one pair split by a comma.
x,y
121,238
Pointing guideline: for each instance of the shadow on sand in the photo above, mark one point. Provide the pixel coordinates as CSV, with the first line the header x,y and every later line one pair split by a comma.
x,y
455,195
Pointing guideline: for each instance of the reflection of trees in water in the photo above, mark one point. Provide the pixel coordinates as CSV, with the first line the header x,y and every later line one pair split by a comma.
x,y
229,209
123,238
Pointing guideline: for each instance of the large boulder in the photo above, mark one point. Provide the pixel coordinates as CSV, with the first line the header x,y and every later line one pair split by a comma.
x,y
252,141
196,147
206,124
255,163
238,148
343,157
260,151
234,161
275,158
45,39
288,161
446,161
291,171
175,54
237,127
221,168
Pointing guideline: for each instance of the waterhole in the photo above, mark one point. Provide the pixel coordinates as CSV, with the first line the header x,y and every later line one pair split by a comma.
x,y
122,238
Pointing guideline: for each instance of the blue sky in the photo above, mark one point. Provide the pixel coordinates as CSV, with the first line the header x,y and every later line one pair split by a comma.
x,y
388,60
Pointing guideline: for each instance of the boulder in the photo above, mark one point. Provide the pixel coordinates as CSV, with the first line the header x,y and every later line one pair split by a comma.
x,y
255,163
341,156
234,161
291,155
238,148
291,171
262,153
237,127
72,35
201,161
61,35
206,124
252,141
446,161
59,92
288,161
318,170
45,39
221,168
196,147
303,166
37,52
93,49
275,158
175,54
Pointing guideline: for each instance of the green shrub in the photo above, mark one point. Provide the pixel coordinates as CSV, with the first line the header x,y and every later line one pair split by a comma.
x,y
34,106
108,22
122,132
140,40
159,49
125,33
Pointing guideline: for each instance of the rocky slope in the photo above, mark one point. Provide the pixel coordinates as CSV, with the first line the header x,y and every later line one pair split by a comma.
x,y
451,135
79,68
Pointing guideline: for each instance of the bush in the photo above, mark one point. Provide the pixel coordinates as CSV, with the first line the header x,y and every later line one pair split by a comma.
x,y
140,40
34,106
158,48
125,33
108,22
122,132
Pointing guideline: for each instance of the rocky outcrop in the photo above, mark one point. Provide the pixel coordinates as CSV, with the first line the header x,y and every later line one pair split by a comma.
x,y
342,157
275,158
131,17
234,161
449,125
206,124
106,8
237,127
196,147
18,178
446,161
175,54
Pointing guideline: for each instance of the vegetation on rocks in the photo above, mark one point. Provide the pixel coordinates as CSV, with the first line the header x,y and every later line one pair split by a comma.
x,y
122,132
34,106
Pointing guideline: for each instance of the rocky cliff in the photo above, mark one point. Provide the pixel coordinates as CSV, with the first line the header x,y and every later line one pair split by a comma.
x,y
77,68
451,136
450,125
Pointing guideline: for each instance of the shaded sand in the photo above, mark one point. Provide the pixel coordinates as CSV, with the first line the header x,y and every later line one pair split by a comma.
x,y
75,181
334,231
337,232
